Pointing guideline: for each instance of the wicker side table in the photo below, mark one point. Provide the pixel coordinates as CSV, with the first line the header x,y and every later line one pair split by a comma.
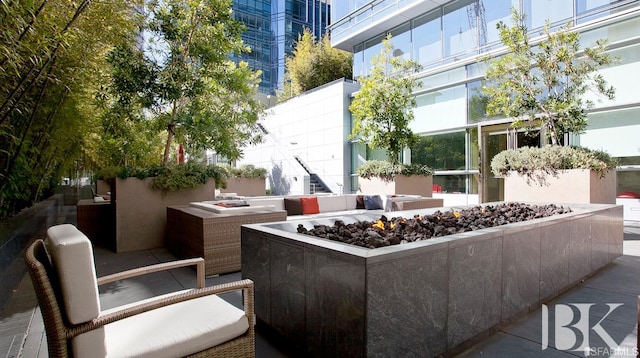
x,y
193,232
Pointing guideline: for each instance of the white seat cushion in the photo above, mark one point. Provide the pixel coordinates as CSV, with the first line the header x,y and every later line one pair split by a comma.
x,y
332,203
72,257
172,331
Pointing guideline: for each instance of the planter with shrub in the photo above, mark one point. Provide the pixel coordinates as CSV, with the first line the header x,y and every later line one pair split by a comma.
x,y
140,197
246,180
556,174
386,178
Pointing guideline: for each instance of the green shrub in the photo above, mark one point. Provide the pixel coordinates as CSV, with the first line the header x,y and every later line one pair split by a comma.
x,y
537,163
387,171
171,177
244,171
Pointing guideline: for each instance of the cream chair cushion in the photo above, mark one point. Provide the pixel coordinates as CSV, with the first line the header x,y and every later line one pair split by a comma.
x,y
171,331
72,257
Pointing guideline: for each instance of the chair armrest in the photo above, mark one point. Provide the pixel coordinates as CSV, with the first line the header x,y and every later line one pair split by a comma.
x,y
245,285
198,261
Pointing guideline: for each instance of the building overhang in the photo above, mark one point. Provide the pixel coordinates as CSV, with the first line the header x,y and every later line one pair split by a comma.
x,y
380,25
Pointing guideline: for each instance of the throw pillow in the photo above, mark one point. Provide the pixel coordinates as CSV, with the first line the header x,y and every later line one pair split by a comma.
x,y
310,205
373,202
292,206
359,201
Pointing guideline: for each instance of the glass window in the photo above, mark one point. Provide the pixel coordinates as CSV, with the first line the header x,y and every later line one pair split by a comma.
x,y
491,13
340,9
443,78
453,184
476,103
401,39
358,65
441,151
623,76
460,28
372,47
474,148
539,11
615,132
427,42
628,181
583,6
440,110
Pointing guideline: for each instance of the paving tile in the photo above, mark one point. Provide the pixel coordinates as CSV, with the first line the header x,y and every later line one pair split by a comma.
x,y
505,345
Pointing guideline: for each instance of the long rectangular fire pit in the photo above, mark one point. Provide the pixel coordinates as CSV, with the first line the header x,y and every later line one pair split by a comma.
x,y
423,298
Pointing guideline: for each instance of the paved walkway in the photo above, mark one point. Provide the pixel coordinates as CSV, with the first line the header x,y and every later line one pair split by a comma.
x,y
22,330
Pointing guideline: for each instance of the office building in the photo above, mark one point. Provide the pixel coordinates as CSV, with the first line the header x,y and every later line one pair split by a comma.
x,y
449,39
272,27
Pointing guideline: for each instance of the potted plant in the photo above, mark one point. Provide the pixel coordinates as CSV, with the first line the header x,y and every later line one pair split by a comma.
x,y
557,174
385,178
246,180
140,197
382,111
542,86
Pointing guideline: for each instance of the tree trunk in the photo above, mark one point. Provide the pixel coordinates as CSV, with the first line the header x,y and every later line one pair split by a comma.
x,y
167,147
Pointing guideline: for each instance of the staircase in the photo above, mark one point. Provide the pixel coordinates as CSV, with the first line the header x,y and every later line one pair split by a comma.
x,y
316,184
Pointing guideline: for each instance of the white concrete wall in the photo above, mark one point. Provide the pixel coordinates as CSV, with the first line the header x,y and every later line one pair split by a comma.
x,y
313,126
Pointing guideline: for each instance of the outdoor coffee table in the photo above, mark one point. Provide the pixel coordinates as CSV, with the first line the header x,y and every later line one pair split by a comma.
x,y
194,232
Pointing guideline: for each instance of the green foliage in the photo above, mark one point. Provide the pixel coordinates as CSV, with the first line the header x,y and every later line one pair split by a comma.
x,y
313,64
244,171
51,56
386,170
174,177
383,108
544,85
535,163
185,85
187,176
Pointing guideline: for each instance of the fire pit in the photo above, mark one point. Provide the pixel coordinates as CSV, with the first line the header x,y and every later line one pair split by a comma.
x,y
423,298
400,230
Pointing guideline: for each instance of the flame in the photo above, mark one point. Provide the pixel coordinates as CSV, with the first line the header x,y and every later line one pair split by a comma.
x,y
380,225
456,214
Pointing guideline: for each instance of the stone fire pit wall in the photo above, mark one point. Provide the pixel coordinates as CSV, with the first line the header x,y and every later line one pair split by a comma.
x,y
424,298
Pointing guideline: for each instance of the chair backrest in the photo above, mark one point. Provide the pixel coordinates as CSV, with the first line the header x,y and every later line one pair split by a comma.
x,y
44,280
64,279
72,257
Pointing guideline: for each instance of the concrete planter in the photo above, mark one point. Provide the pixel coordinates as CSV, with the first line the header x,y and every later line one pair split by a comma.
x,y
421,299
413,185
569,186
103,187
140,211
246,186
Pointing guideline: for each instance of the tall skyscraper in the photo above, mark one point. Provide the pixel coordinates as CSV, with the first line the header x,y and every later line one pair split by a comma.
x,y
272,29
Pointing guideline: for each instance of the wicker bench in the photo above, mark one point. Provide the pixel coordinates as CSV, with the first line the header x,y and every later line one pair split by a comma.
x,y
193,232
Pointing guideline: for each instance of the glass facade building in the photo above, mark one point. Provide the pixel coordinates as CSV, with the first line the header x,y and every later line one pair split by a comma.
x,y
449,39
272,27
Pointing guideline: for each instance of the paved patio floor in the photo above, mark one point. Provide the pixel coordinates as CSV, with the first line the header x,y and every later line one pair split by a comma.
x,y
22,330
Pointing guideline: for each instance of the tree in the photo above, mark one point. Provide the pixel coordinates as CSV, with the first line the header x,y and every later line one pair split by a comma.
x,y
50,55
202,98
545,85
312,64
383,108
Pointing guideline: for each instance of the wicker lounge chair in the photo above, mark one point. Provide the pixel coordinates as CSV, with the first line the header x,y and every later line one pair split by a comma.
x,y
194,323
